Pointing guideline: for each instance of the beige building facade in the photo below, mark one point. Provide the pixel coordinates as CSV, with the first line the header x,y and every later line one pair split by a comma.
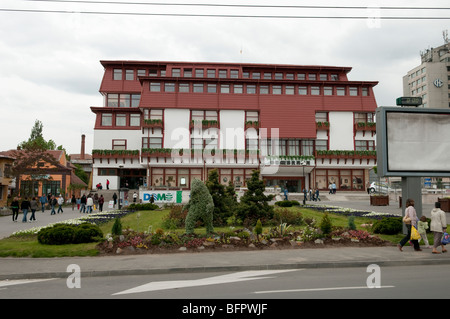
x,y
430,80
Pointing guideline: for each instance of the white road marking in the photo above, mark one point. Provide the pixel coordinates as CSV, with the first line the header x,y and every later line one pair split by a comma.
x,y
317,289
234,277
4,283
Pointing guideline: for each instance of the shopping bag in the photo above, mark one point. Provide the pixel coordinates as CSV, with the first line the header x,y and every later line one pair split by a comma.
x,y
414,233
445,239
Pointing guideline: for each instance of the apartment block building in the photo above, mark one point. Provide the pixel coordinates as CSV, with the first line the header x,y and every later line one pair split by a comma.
x,y
163,124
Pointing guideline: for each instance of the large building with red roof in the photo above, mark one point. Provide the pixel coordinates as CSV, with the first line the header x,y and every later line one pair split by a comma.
x,y
162,124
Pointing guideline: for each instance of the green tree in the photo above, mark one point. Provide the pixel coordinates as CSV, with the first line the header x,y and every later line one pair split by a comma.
x,y
218,193
37,140
254,203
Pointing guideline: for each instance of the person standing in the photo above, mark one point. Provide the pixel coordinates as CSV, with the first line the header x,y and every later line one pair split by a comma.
x,y
101,200
438,226
115,199
60,203
25,206
33,207
422,226
43,200
107,184
410,220
15,209
89,204
53,203
73,201
83,201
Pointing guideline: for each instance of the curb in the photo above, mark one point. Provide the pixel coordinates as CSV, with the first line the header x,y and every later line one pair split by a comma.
x,y
157,271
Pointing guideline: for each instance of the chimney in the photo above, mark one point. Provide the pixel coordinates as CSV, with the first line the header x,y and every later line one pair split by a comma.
x,y
83,137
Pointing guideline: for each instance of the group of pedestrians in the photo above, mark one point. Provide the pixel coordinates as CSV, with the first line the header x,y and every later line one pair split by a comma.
x,y
85,204
438,226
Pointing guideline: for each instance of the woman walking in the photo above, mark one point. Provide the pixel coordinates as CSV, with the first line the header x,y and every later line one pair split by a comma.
x,y
33,206
410,220
438,226
15,209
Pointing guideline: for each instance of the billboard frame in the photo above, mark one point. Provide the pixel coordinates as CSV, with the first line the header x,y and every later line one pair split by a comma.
x,y
382,143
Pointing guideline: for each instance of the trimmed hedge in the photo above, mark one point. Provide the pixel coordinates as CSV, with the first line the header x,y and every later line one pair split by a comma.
x,y
61,234
287,203
388,226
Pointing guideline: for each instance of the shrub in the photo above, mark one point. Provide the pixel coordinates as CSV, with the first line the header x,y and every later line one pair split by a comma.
x,y
388,226
176,218
258,228
351,223
287,203
117,227
325,224
61,234
284,215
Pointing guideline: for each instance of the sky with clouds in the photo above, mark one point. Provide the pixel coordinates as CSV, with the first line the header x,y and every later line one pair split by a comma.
x,y
50,69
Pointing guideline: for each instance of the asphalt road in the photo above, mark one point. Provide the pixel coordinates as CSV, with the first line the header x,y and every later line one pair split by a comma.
x,y
405,282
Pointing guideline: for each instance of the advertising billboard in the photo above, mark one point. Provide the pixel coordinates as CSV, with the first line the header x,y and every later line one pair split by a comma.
x,y
413,142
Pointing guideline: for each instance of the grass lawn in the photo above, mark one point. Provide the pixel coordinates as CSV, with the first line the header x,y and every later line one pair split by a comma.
x,y
143,221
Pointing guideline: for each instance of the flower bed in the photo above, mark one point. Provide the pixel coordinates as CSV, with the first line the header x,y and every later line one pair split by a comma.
x,y
349,211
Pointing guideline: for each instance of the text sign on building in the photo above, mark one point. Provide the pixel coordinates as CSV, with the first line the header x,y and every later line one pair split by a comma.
x,y
162,197
413,142
409,101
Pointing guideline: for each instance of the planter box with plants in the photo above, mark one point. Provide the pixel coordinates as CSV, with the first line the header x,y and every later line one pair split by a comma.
x,y
379,200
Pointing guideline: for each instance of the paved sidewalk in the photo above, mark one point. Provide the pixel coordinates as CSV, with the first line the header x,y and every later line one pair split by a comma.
x,y
20,268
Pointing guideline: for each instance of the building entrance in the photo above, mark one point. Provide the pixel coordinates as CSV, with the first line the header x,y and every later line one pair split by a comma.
x,y
132,178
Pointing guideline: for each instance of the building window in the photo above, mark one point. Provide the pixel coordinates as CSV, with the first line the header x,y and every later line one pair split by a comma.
x,y
222,74
321,145
340,91
364,145
224,88
234,74
365,92
196,143
187,73
183,87
323,77
315,90
113,100
153,73
276,89
278,76
256,75
328,90
211,73
199,73
211,115
152,142
302,90
251,116
169,87
353,91
264,89
290,89
156,114
135,99
311,76
267,76
117,74
107,119
251,89
307,147
119,144
121,120
251,144
135,119
197,115
198,87
155,87
129,75
141,72
237,89
321,117
301,76
212,88
176,73
289,76
334,77
294,147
